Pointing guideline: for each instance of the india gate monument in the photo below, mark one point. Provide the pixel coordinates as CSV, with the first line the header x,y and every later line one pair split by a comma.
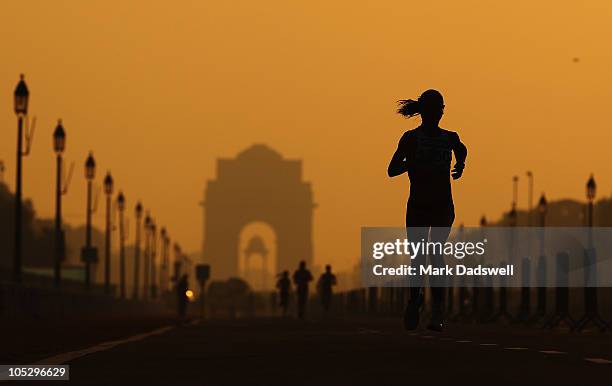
x,y
258,186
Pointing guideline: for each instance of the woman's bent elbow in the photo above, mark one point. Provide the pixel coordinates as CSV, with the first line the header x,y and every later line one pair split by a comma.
x,y
392,172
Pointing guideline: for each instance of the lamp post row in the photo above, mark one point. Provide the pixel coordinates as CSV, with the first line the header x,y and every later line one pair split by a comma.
x,y
88,253
591,189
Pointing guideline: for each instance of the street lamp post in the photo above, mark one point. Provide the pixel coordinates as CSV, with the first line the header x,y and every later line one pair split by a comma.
x,y
59,145
21,98
187,263
164,264
108,190
503,289
541,270
138,211
591,189
121,208
89,255
178,262
488,301
527,259
590,291
147,255
542,208
529,197
166,260
515,180
591,307
525,303
153,260
476,292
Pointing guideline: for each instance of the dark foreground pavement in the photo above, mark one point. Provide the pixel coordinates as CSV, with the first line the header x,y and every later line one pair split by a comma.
x,y
340,352
27,341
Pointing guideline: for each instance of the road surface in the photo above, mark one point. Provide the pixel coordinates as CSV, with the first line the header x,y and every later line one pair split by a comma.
x,y
275,351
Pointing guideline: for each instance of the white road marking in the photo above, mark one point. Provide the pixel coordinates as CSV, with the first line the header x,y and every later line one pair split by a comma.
x,y
599,361
72,355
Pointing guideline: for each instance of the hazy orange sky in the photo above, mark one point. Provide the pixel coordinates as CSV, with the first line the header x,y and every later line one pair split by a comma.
x,y
159,90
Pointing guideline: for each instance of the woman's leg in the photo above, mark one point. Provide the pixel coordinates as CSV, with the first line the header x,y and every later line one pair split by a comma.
x,y
439,233
416,231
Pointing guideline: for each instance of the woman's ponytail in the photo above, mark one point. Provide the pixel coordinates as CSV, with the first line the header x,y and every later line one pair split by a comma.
x,y
408,107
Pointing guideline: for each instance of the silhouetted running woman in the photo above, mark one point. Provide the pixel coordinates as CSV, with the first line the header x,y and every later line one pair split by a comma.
x,y
425,154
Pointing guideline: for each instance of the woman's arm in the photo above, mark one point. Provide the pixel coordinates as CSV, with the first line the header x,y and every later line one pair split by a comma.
x,y
399,161
460,152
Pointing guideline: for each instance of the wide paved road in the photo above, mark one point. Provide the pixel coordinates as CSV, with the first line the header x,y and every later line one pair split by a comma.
x,y
336,352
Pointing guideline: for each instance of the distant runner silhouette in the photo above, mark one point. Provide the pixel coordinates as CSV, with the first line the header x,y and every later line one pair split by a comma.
x,y
325,284
284,287
302,277
425,154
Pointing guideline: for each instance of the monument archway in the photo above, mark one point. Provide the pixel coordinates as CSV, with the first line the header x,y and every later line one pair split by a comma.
x,y
259,185
257,255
